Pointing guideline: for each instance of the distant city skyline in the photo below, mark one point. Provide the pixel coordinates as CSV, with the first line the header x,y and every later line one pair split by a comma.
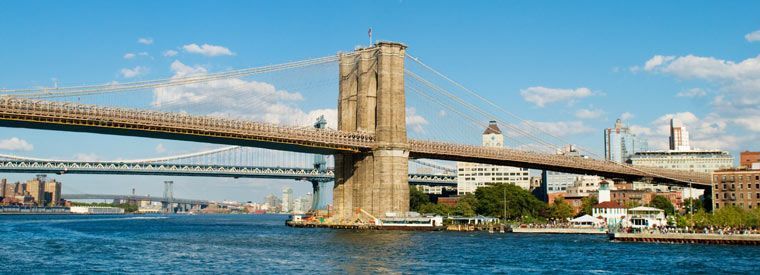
x,y
573,69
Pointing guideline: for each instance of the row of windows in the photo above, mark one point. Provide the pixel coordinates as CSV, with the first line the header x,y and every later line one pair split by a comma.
x,y
733,195
740,178
741,204
493,174
741,186
496,168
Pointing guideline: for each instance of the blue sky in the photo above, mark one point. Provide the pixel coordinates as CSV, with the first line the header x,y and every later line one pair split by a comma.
x,y
574,66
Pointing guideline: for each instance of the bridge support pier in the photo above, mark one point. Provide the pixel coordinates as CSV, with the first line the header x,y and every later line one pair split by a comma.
x,y
372,100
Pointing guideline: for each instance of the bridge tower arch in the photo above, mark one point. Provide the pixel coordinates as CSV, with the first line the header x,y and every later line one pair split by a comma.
x,y
372,100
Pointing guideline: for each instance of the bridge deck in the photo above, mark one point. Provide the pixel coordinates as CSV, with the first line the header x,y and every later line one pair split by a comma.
x,y
18,112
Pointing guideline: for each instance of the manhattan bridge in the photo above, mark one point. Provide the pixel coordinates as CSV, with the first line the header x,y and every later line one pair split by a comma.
x,y
371,121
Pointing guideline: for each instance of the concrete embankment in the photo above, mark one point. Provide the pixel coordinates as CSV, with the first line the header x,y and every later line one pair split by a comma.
x,y
747,239
559,230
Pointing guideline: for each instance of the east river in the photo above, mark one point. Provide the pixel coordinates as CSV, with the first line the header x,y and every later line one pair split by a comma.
x,y
262,244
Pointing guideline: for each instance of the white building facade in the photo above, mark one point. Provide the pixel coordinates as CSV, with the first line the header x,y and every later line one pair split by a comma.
x,y
704,161
470,176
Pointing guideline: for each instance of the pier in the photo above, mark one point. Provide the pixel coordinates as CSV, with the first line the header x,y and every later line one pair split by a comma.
x,y
745,239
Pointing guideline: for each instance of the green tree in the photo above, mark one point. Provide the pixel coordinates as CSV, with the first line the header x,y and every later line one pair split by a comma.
x,y
560,209
695,203
519,202
663,203
587,204
632,204
417,198
466,206
437,209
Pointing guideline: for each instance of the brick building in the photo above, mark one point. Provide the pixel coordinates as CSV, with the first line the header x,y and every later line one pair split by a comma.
x,y
737,187
747,158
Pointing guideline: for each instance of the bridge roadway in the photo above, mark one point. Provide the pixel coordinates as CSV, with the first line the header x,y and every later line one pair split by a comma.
x,y
131,198
38,114
194,170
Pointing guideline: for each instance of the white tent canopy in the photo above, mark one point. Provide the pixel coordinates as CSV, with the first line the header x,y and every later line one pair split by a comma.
x,y
586,220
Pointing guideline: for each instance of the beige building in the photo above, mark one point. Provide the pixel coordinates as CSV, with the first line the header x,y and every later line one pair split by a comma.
x,y
704,161
584,186
52,192
470,176
36,188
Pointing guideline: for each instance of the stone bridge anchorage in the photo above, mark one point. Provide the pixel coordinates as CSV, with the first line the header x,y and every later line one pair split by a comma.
x,y
370,146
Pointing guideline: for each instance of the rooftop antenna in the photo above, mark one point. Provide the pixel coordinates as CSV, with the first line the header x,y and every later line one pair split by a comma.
x,y
369,33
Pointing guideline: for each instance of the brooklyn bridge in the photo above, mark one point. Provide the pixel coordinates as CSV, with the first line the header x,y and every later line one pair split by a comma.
x,y
370,148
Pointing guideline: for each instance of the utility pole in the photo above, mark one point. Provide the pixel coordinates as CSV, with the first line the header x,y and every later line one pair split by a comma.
x,y
505,204
691,205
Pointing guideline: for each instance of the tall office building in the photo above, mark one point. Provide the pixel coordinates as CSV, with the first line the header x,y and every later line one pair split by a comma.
x,y
620,143
287,199
272,202
52,192
470,176
679,137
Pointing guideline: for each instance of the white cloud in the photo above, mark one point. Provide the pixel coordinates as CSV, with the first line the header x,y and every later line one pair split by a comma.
x,y
15,144
656,60
86,157
563,128
640,130
738,84
136,71
414,121
160,148
708,132
753,36
145,41
589,113
541,96
207,50
170,53
626,116
709,68
693,92
133,55
751,123
237,98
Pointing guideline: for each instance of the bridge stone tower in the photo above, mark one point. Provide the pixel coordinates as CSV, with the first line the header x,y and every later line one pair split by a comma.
x,y
372,100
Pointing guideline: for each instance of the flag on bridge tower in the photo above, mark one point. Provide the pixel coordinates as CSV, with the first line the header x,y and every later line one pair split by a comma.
x,y
369,33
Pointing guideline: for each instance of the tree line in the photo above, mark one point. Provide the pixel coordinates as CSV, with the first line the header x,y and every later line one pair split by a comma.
x,y
506,201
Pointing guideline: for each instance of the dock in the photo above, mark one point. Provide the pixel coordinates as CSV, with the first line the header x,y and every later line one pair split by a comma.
x,y
744,239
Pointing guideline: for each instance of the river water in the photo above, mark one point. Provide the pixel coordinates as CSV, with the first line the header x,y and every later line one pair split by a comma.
x,y
262,244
